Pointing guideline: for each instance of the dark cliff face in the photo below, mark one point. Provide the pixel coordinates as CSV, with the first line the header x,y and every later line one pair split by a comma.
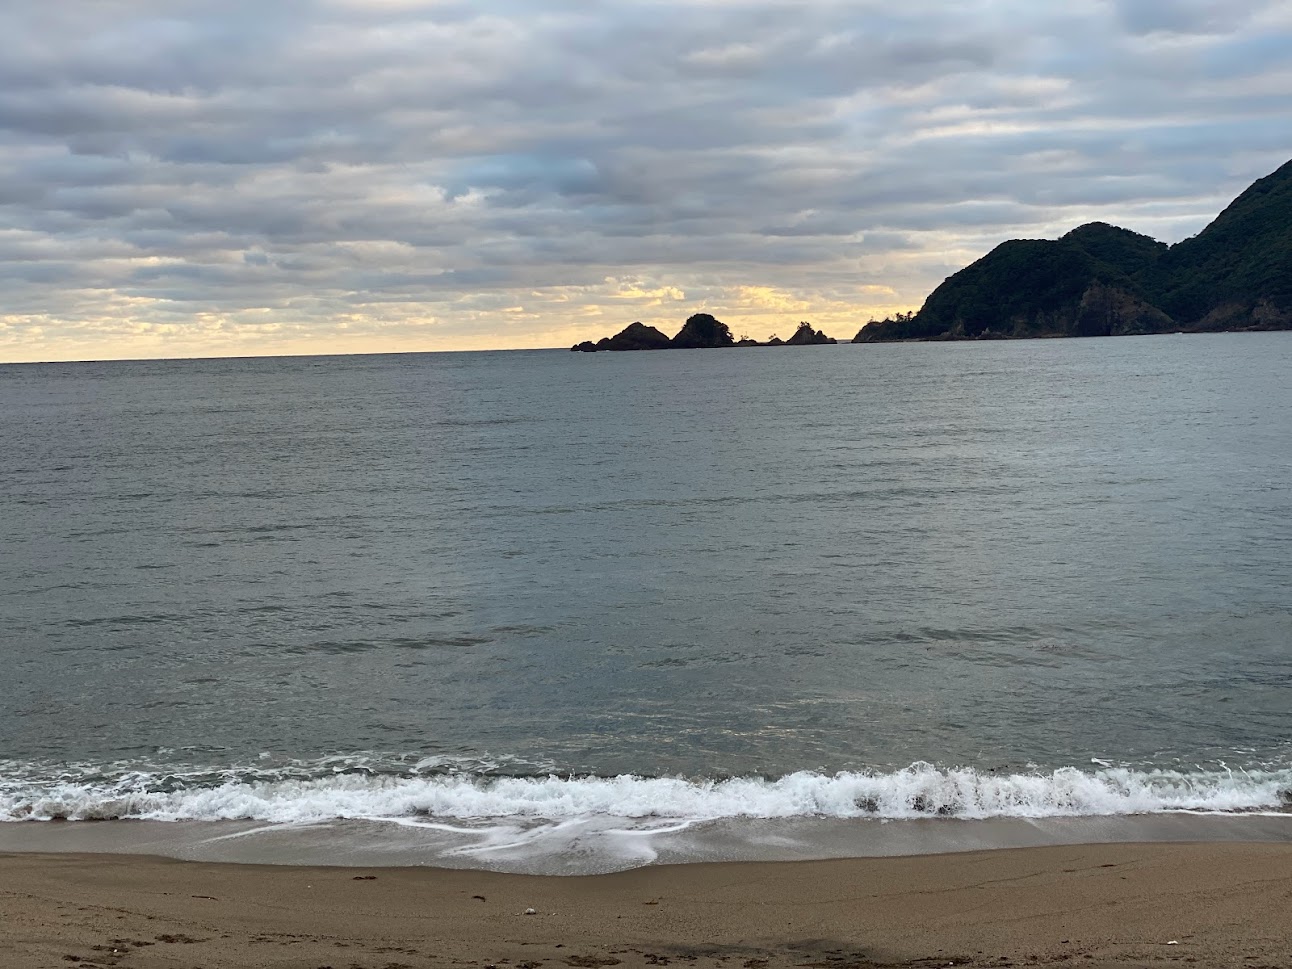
x,y
1100,280
701,331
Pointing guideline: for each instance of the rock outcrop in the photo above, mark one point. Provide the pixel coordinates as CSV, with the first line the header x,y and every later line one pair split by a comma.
x,y
637,336
805,336
703,331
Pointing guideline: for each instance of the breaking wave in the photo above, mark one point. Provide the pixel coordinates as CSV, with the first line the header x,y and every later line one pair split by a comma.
x,y
340,789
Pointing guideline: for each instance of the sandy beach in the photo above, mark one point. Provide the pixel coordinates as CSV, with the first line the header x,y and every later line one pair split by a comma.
x,y
1103,905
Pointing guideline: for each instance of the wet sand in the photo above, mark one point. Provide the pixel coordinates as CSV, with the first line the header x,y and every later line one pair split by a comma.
x,y
1100,905
596,846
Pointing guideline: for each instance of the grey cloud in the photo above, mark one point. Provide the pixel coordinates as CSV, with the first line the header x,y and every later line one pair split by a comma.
x,y
1183,16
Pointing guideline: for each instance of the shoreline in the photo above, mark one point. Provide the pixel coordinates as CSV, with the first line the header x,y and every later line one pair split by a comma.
x,y
600,845
1087,905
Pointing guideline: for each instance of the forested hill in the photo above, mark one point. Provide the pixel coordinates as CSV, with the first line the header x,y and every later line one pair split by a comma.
x,y
1100,280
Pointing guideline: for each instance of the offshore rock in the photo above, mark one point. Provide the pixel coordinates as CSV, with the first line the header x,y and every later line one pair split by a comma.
x,y
805,336
638,336
635,336
701,331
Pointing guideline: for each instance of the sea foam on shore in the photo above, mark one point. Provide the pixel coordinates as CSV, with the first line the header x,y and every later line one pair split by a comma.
x,y
337,788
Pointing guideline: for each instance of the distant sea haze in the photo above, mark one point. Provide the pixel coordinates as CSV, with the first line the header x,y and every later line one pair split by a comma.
x,y
1032,579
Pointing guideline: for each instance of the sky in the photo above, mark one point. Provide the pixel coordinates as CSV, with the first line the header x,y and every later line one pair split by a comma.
x,y
337,176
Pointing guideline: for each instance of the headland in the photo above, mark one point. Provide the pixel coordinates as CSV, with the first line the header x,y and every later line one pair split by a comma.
x,y
1102,280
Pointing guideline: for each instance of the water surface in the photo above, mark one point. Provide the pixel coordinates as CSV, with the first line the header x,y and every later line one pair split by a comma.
x,y
295,587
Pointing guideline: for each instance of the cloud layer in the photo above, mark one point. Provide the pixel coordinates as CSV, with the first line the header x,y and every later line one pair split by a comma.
x,y
347,175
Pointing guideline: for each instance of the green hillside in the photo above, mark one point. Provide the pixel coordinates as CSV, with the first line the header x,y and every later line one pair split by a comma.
x,y
1101,280
1238,270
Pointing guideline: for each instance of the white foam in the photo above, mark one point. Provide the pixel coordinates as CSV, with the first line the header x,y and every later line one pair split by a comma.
x,y
296,795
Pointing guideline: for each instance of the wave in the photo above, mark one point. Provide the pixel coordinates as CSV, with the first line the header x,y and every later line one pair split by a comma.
x,y
332,790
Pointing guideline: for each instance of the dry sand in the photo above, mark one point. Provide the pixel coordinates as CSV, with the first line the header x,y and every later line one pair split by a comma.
x,y
1102,905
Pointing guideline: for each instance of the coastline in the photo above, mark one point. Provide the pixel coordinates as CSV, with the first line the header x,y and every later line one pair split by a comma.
x,y
600,845
1088,905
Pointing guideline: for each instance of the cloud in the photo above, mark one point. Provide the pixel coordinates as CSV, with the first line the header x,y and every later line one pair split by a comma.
x,y
336,175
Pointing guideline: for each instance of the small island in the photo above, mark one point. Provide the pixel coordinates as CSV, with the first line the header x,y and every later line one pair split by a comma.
x,y
700,331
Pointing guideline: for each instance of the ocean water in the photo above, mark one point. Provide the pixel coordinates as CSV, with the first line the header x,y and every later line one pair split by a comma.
x,y
501,597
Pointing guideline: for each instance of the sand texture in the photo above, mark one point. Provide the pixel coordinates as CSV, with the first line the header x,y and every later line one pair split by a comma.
x,y
1152,905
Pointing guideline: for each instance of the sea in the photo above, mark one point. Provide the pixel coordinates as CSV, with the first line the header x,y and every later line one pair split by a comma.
x,y
566,612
